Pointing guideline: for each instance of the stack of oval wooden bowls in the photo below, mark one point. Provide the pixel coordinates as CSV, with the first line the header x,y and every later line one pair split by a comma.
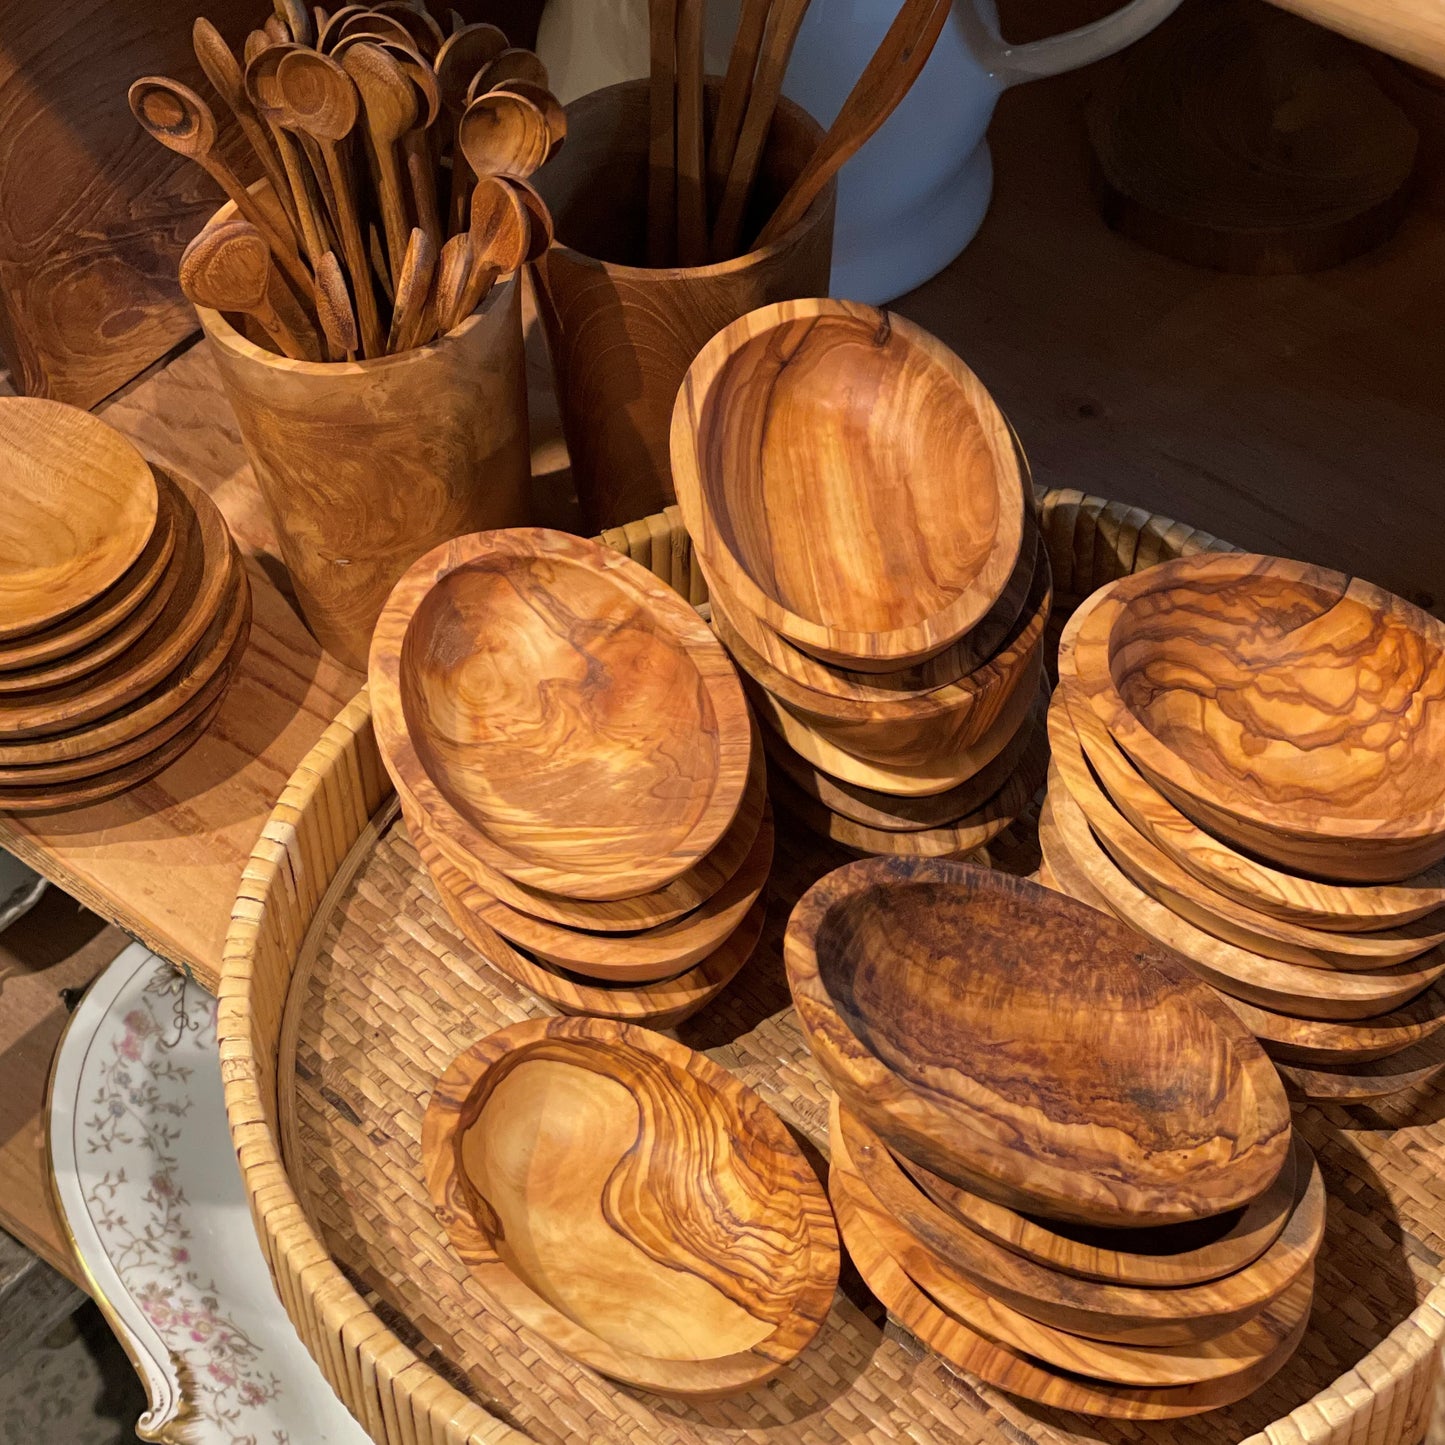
x,y
124,610
1249,767
1056,1156
862,515
578,770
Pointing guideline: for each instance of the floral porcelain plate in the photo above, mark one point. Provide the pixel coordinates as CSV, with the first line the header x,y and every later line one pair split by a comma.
x,y
147,1186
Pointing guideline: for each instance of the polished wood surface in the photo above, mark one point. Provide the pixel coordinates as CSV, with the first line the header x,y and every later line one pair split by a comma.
x,y
1414,30
77,507
919,458
1323,1041
1409,1071
633,1203
621,336
925,1043
1297,711
559,713
354,498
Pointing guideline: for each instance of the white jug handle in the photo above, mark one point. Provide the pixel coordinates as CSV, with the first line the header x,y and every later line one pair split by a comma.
x,y
1009,64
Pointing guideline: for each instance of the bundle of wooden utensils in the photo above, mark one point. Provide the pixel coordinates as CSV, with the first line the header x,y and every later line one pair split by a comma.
x,y
1249,768
578,770
864,521
397,160
701,185
1056,1156
124,610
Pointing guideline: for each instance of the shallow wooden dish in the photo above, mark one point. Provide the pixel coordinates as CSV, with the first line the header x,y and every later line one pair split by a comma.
x,y
973,1061
1363,1083
1334,907
1020,1374
660,1004
918,458
942,773
115,604
1342,1041
952,840
1086,872
1233,682
559,713
77,507
893,814
633,1203
1143,1316
208,568
1162,878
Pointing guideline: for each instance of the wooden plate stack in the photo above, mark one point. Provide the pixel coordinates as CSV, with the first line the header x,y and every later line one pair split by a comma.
x,y
1249,767
863,517
124,610
578,770
1057,1157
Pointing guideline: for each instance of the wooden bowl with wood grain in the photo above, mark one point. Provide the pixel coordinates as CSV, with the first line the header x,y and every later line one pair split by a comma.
x,y
631,1202
1030,1049
848,480
559,713
1296,712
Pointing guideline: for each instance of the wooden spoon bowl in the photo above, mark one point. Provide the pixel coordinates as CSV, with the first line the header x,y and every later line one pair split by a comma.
x,y
806,425
1030,1049
559,713
633,1203
1298,713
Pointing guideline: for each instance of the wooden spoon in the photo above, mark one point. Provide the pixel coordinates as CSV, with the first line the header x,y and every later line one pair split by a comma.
x,y
182,122
256,42
886,79
782,34
331,33
298,21
372,26
426,34
333,307
513,64
389,102
691,144
412,291
228,268
419,149
503,135
541,231
498,238
277,31
465,53
453,267
220,67
662,140
322,101
553,111
737,86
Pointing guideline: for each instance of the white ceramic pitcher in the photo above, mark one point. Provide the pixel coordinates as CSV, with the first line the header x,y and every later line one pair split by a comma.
x,y
914,196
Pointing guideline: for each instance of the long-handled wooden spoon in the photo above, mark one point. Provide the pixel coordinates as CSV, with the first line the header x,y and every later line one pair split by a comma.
x,y
426,34
465,53
553,111
662,135
297,18
737,86
502,134
333,308
498,239
321,100
540,230
371,26
181,121
389,107
886,79
228,268
691,142
412,292
453,268
331,33
418,146
512,64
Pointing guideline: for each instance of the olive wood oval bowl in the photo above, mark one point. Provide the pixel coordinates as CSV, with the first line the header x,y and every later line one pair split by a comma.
x,y
1298,713
1343,1041
1335,907
559,712
1086,872
1143,1316
1029,1048
1162,878
633,1203
1416,1067
807,426
77,507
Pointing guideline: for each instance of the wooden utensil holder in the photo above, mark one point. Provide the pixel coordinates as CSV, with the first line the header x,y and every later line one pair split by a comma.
x,y
622,336
366,465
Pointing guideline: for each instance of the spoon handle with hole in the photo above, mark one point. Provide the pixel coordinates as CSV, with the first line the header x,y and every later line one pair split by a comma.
x,y
737,86
784,23
886,79
691,144
662,135
412,291
353,248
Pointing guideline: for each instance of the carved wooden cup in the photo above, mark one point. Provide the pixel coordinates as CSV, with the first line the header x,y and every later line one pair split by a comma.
x,y
622,336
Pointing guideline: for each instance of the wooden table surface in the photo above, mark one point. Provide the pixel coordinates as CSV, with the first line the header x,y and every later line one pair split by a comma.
x,y
1301,415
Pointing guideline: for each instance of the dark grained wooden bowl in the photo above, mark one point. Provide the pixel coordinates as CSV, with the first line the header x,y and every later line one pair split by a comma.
x,y
1029,1048
807,425
633,1203
559,713
1296,712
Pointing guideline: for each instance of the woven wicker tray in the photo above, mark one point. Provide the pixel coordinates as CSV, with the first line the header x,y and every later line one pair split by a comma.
x,y
337,913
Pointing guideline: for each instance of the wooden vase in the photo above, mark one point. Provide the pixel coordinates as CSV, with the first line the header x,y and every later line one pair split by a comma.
x,y
367,465
623,336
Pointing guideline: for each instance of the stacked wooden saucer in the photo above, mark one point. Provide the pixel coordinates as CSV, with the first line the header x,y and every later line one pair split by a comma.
x,y
578,770
1249,767
124,610
862,515
1057,1157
